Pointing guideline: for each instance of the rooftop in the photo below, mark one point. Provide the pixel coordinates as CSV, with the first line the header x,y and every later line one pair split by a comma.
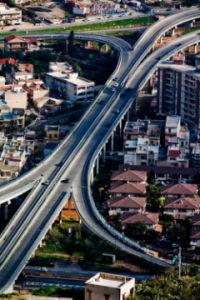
x,y
130,188
147,218
72,78
180,189
130,175
109,280
129,202
180,68
183,203
173,121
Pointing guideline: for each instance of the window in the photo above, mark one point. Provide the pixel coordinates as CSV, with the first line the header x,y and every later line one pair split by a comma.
x,y
107,297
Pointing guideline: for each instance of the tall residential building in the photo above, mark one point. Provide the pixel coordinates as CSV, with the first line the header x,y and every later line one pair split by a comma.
x,y
104,286
179,92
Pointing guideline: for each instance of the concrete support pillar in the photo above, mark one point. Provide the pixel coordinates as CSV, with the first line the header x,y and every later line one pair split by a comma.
x,y
41,243
173,32
127,116
97,164
112,141
151,81
92,176
120,128
89,44
67,46
104,153
196,48
192,23
6,212
6,205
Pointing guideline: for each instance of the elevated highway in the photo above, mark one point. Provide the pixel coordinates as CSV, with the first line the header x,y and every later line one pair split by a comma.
x,y
127,64
75,161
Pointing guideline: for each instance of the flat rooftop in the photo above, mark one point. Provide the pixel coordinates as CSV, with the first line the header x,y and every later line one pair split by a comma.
x,y
109,280
75,80
190,70
173,121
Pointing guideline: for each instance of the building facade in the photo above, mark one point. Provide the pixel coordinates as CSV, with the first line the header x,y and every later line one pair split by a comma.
x,y
70,86
179,92
10,15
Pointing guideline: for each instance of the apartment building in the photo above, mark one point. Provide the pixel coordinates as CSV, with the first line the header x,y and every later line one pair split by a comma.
x,y
14,153
142,142
104,286
10,15
143,129
140,152
179,92
70,86
177,138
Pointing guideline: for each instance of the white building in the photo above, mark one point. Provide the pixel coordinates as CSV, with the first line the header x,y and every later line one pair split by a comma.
x,y
140,152
9,16
13,156
177,139
104,286
172,127
70,86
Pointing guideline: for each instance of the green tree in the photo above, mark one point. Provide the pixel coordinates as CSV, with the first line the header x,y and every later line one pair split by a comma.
x,y
155,201
136,230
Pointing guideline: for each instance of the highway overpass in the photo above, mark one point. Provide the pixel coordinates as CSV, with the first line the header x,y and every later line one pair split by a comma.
x,y
128,63
75,161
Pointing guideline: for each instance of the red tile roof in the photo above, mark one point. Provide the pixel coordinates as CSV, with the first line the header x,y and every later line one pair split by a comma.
x,y
147,219
129,202
130,175
25,40
180,189
183,203
10,61
12,37
130,188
